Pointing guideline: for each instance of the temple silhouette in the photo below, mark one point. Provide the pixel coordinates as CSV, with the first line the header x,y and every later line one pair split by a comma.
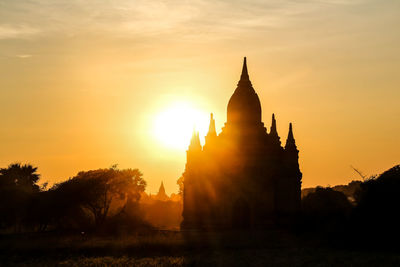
x,y
241,177
161,195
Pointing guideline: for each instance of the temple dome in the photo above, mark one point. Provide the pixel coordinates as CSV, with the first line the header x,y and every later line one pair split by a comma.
x,y
244,105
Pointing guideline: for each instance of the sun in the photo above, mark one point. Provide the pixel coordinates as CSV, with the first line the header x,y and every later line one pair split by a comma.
x,y
174,125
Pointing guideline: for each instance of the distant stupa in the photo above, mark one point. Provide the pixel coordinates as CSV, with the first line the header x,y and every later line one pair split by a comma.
x,y
161,195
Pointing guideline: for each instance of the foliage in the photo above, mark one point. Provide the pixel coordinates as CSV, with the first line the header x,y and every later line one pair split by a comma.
x,y
325,209
326,202
378,201
349,189
96,190
19,177
86,200
180,183
18,185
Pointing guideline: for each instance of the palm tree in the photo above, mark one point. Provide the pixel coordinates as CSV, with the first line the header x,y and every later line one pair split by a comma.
x,y
18,184
21,177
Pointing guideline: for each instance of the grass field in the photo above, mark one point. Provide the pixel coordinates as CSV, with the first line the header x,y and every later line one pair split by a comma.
x,y
176,249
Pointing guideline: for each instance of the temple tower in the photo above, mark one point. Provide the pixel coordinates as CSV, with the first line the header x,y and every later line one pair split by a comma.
x,y
242,177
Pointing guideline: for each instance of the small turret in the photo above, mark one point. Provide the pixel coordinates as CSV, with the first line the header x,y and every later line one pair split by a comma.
x,y
195,142
293,173
212,133
290,142
211,128
192,173
274,133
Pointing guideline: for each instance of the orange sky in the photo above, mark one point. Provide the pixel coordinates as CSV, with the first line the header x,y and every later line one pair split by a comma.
x,y
82,83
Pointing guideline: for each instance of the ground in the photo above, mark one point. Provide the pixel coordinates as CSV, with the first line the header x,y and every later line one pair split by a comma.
x,y
192,249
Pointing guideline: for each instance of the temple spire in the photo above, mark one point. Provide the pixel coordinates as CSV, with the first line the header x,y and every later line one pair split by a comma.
x,y
290,142
274,133
212,133
245,74
161,195
290,135
211,128
244,105
244,77
195,141
273,125
162,189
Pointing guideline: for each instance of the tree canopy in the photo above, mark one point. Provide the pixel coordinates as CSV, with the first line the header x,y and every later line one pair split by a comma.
x,y
96,190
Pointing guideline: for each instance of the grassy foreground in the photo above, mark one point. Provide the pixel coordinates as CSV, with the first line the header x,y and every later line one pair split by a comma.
x,y
177,249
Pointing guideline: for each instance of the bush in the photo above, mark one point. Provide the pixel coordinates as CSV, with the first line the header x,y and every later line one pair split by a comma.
x,y
325,209
378,202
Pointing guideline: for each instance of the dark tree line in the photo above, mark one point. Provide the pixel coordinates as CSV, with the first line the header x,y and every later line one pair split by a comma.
x,y
108,200
377,213
91,200
370,214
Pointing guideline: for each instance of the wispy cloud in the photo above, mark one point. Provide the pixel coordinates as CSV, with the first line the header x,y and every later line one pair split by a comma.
x,y
24,56
17,32
149,18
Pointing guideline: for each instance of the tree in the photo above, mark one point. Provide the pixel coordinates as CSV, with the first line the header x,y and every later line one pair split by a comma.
x,y
378,201
18,184
96,190
326,202
21,177
180,183
325,209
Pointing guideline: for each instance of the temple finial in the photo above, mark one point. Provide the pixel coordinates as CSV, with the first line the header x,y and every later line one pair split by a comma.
x,y
244,81
245,74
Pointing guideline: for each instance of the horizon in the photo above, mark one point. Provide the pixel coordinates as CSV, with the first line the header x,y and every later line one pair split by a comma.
x,y
86,85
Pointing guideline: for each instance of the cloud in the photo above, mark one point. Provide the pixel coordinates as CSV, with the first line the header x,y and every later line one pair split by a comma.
x,y
17,32
149,18
24,56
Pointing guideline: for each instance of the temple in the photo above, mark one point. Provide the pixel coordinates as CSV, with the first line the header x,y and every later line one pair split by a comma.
x,y
241,177
161,195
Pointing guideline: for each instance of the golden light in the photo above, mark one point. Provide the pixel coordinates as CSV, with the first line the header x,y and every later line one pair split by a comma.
x,y
173,126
